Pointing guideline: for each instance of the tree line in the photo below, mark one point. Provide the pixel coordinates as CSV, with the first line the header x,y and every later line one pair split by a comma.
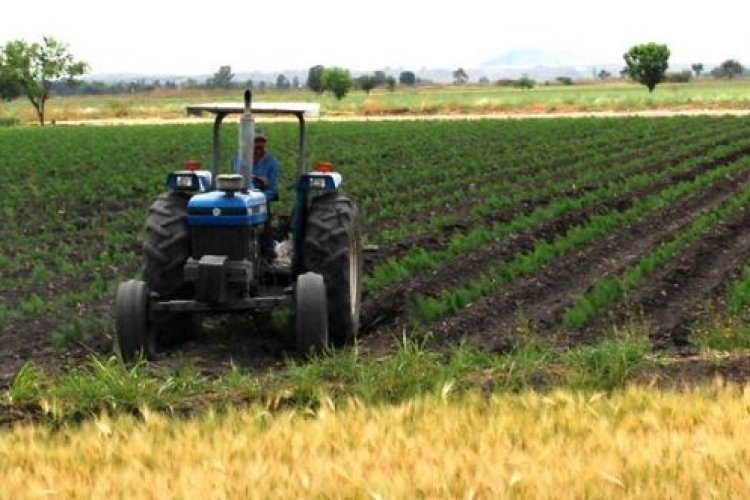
x,y
39,70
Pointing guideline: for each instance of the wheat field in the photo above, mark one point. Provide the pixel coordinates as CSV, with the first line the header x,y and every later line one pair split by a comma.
x,y
636,442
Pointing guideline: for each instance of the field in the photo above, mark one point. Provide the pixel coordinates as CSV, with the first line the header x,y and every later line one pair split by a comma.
x,y
615,96
487,231
513,256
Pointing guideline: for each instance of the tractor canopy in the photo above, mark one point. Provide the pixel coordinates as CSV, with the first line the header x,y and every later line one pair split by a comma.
x,y
220,110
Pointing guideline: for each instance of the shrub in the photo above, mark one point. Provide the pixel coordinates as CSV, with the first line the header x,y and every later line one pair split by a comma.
x,y
682,77
9,121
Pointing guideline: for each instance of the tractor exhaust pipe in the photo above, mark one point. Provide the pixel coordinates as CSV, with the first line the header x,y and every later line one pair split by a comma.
x,y
247,135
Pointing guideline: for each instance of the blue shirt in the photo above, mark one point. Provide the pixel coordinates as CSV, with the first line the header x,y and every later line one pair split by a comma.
x,y
267,167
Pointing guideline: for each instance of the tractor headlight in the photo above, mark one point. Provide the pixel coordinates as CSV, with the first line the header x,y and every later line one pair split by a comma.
x,y
317,183
184,181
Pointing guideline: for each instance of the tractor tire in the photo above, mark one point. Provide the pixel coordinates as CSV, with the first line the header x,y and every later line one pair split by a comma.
x,y
167,245
134,334
165,251
332,247
310,314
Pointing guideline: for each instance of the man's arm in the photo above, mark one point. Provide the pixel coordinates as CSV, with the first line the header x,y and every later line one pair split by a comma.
x,y
266,177
272,191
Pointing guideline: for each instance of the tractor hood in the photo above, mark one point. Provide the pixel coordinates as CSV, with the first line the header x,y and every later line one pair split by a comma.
x,y
219,208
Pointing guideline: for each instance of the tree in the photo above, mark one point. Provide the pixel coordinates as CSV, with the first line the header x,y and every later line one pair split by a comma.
x,y
380,78
525,83
604,74
315,78
697,69
222,79
295,82
9,87
647,63
35,68
728,69
390,83
407,78
366,83
337,81
282,82
460,77
484,81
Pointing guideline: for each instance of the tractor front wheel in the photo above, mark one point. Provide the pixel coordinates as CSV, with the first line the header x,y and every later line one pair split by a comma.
x,y
333,248
133,330
311,314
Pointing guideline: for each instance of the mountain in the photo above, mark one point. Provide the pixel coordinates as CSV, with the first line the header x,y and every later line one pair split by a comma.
x,y
533,58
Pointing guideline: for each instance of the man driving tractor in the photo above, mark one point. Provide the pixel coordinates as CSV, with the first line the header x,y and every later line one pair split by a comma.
x,y
265,177
265,168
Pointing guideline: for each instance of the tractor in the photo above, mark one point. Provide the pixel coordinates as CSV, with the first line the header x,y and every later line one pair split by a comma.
x,y
203,253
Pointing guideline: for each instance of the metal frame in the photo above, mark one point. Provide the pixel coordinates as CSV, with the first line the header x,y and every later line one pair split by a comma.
x,y
222,110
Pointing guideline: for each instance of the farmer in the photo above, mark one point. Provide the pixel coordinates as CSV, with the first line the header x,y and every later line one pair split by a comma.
x,y
265,169
265,178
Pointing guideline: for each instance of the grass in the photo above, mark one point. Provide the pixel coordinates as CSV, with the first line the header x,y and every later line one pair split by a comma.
x,y
412,370
446,99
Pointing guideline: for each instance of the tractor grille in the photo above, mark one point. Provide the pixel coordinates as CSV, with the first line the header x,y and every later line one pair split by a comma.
x,y
236,242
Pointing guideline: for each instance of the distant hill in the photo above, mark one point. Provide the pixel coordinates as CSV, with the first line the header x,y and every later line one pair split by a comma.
x,y
532,58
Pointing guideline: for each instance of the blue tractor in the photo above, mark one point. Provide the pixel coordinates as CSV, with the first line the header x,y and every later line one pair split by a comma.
x,y
203,252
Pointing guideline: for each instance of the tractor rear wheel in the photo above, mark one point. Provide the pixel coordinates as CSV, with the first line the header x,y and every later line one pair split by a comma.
x,y
165,251
333,247
310,314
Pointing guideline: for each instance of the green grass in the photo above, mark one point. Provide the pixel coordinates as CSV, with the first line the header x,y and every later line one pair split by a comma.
x,y
413,369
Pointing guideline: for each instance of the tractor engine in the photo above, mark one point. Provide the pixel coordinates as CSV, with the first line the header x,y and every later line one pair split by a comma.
x,y
225,230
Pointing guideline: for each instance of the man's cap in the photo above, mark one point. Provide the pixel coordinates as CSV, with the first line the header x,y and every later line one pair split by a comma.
x,y
260,136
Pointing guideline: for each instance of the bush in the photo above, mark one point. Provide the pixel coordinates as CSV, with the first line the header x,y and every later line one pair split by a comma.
x,y
525,83
9,121
505,82
564,80
683,77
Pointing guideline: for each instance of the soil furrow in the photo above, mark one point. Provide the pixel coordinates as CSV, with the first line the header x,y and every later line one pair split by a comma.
x,y
542,300
438,242
671,299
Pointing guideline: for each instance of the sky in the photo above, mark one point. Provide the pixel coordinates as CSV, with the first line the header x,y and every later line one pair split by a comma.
x,y
195,38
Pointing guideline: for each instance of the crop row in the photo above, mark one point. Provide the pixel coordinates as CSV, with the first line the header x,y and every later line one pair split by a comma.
x,y
544,252
500,168
609,289
395,270
479,202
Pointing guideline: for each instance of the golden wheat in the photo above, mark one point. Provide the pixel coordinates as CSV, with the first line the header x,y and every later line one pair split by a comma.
x,y
635,443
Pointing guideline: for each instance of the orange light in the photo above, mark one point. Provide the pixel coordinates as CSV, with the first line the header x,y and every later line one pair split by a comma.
x,y
192,165
324,166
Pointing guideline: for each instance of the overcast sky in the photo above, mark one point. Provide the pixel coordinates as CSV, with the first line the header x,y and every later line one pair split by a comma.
x,y
158,37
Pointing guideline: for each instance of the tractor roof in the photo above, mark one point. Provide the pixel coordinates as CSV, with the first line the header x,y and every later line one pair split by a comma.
x,y
310,109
